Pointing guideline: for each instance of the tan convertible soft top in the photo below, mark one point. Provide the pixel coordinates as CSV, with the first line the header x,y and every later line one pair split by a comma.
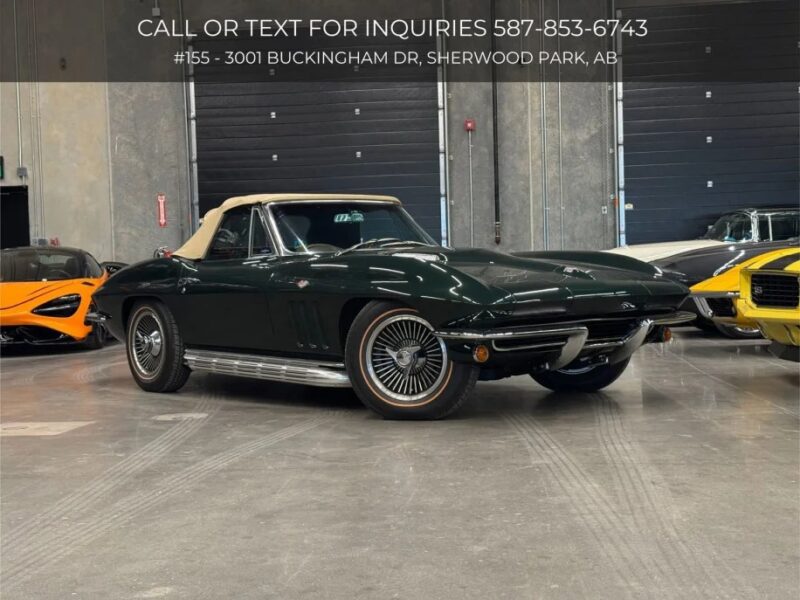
x,y
196,246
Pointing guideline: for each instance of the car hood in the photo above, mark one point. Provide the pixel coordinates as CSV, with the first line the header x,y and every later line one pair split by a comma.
x,y
651,252
696,265
14,293
543,277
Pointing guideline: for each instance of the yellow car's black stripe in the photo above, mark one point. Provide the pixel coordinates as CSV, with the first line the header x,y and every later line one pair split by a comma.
x,y
782,262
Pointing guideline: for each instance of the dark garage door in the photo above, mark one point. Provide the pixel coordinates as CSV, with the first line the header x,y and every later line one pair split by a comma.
x,y
367,134
696,150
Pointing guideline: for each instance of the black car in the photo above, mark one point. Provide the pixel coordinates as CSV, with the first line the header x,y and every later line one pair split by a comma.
x,y
335,290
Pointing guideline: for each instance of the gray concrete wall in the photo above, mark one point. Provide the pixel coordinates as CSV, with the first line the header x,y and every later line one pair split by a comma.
x,y
555,140
64,129
99,153
148,156
17,133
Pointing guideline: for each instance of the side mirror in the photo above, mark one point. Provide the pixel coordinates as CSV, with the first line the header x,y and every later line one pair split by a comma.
x,y
162,252
112,267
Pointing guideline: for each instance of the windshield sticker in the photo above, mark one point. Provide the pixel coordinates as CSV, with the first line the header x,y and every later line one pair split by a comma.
x,y
351,217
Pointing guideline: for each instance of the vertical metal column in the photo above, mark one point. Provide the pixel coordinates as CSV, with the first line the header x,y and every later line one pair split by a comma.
x,y
495,134
471,193
622,241
443,163
191,107
16,87
543,125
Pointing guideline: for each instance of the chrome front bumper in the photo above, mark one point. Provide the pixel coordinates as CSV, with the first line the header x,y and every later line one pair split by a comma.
x,y
568,342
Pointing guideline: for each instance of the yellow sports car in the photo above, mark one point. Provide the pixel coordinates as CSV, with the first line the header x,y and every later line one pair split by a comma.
x,y
46,296
763,292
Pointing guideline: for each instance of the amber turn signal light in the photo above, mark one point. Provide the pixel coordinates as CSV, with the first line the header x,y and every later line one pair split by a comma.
x,y
667,334
480,354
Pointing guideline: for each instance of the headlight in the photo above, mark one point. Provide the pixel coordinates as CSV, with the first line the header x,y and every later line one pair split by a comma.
x,y
63,306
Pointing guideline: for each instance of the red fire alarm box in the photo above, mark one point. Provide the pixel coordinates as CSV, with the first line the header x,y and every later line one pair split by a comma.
x,y
469,125
161,200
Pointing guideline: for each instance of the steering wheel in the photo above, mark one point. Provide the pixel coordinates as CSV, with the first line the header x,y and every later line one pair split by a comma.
x,y
322,248
59,274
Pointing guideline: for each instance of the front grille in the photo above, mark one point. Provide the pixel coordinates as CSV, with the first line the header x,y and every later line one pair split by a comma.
x,y
539,344
608,330
600,333
774,290
32,334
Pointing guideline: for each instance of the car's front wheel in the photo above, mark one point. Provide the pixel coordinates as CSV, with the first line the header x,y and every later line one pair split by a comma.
x,y
399,369
704,324
96,338
155,348
586,379
737,332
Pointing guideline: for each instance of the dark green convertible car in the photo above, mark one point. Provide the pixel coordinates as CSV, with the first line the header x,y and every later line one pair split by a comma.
x,y
340,291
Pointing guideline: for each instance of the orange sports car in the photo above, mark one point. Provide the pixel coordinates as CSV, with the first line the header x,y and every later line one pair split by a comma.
x,y
46,296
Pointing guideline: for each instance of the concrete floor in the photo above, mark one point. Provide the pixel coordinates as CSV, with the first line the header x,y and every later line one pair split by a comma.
x,y
680,481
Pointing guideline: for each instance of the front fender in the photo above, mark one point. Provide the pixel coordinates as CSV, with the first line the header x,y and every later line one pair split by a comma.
x,y
439,292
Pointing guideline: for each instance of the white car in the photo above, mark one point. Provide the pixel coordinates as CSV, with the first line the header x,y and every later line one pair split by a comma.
x,y
748,225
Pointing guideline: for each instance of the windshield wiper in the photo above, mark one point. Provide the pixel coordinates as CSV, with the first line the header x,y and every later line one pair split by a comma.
x,y
365,243
383,243
405,243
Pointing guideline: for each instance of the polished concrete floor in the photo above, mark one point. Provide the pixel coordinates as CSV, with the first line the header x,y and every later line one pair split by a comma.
x,y
680,481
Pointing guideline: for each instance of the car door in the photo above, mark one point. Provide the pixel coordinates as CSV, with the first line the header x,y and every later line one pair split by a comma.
x,y
224,297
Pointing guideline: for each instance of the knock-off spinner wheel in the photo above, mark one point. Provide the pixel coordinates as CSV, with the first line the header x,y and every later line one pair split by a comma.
x,y
399,368
404,359
147,343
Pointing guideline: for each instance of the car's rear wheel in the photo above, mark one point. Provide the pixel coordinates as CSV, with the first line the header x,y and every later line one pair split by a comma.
x,y
586,379
399,369
155,348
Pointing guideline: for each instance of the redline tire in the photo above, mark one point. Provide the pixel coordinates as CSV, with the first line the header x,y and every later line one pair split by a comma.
x,y
399,369
155,348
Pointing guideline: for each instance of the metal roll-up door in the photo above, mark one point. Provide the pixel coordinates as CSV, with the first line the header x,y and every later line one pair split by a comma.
x,y
695,150
371,132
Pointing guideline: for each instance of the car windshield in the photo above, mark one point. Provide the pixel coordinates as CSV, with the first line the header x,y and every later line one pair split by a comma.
x,y
731,228
336,226
40,265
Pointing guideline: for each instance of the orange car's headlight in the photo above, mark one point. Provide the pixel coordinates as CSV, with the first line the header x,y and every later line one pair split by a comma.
x,y
63,306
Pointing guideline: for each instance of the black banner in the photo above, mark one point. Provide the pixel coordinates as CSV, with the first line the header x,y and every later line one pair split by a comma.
x,y
503,41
